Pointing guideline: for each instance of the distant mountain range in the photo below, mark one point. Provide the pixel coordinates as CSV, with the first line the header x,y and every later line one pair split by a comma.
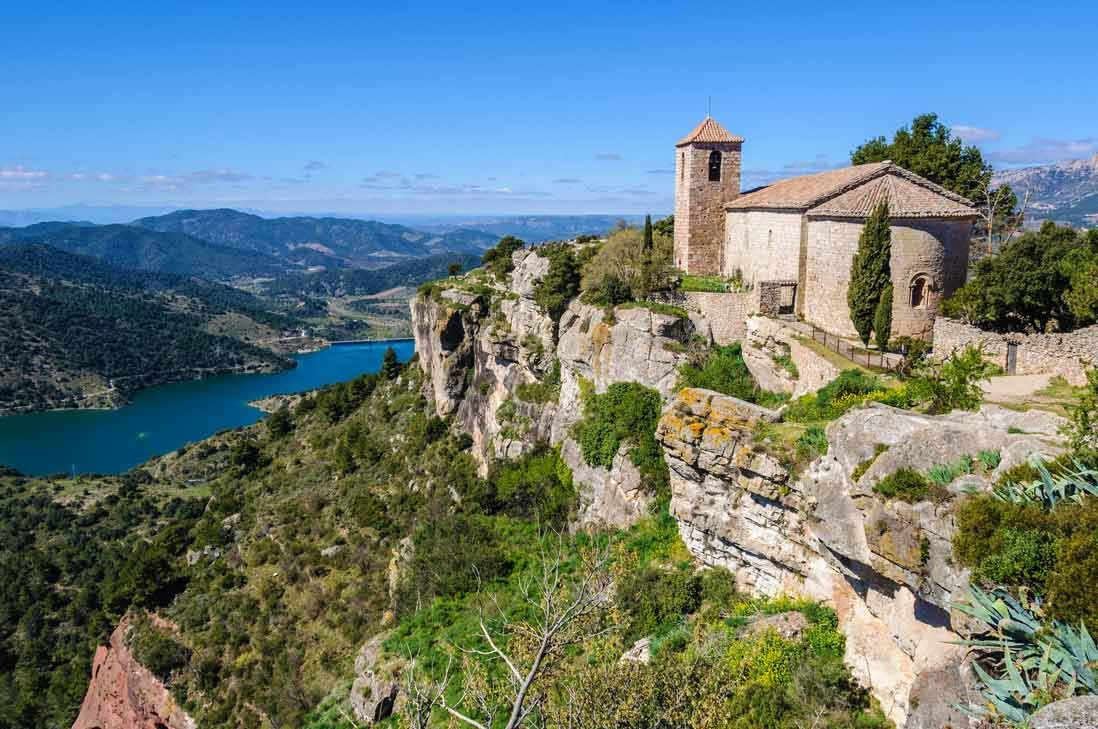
x,y
329,242
534,228
1064,191
129,247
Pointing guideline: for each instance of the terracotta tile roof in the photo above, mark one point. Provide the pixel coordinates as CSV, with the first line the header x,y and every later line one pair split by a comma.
x,y
709,131
855,191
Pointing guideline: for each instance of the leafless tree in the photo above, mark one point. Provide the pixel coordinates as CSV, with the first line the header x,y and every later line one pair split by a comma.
x,y
991,213
568,608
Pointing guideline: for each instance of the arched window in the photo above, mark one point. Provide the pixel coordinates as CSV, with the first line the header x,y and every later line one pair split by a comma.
x,y
714,166
920,286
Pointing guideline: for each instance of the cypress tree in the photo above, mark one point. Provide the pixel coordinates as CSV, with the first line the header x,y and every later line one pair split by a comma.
x,y
390,365
870,273
647,233
882,319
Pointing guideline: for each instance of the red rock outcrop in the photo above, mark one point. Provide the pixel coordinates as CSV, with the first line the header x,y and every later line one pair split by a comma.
x,y
123,694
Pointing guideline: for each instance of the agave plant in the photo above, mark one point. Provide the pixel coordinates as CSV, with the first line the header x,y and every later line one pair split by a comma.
x,y
1022,663
1048,490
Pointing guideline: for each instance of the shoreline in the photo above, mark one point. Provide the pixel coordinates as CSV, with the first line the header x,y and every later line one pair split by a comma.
x,y
127,395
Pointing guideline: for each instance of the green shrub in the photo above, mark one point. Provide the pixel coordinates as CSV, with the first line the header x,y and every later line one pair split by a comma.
x,y
1051,552
158,651
537,485
834,398
545,391
910,486
953,384
654,597
561,283
711,284
812,443
723,370
498,258
862,467
626,413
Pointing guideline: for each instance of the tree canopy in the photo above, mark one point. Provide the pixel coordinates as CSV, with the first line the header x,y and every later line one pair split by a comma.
x,y
929,149
1040,280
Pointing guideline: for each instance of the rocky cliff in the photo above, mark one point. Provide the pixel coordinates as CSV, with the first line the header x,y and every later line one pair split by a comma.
x,y
480,342
884,565
123,694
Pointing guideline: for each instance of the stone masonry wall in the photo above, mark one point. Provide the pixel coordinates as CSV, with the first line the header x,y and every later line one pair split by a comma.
x,y
1065,354
725,313
764,246
699,205
937,249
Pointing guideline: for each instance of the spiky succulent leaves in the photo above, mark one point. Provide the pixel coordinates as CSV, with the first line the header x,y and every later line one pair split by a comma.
x,y
1047,490
1022,663
870,272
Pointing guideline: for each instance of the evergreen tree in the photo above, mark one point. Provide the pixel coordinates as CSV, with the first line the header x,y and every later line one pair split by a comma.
x,y
870,273
647,233
882,319
390,366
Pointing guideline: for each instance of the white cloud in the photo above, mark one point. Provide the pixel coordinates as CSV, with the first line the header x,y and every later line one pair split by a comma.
x,y
1041,149
974,135
19,172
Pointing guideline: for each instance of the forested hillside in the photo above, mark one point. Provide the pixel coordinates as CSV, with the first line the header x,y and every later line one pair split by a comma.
x,y
126,246
340,520
317,241
363,282
78,332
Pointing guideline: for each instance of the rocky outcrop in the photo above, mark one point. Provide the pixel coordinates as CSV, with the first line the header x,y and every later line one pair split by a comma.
x,y
1079,712
376,688
480,342
123,694
885,566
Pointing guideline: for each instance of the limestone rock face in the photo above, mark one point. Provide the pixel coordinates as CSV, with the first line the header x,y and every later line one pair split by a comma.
x,y
123,694
477,350
885,566
376,687
1079,712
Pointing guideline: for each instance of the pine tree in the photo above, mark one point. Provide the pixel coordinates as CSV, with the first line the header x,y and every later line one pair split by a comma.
x,y
882,319
870,272
390,366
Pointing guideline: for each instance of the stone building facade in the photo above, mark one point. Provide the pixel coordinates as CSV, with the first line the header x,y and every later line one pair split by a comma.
x,y
800,235
707,176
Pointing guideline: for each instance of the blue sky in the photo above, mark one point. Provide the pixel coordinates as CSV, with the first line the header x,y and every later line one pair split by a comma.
x,y
473,108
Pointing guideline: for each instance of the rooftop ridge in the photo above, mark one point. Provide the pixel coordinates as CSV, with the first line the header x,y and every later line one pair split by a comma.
x,y
709,130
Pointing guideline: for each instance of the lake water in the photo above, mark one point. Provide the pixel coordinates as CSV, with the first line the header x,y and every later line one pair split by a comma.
x,y
161,419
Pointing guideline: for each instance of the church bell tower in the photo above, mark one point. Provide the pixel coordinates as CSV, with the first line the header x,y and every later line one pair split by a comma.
x,y
707,177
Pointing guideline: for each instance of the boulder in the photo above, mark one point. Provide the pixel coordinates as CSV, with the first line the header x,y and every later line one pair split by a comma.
x,y
1078,712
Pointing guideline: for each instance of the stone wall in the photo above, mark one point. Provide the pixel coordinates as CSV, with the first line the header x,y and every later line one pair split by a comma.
x,y
1066,354
763,245
724,314
699,205
934,249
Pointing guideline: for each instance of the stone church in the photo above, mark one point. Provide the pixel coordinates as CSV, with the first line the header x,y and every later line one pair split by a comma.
x,y
797,237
